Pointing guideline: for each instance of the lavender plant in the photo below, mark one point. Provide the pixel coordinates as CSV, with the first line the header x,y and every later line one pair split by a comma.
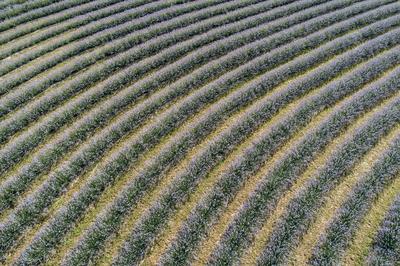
x,y
207,211
262,201
25,213
206,71
303,208
385,249
74,14
83,26
344,225
133,34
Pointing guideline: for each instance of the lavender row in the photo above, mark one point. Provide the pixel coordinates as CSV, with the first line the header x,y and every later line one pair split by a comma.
x,y
33,10
82,128
213,203
262,201
302,209
144,29
385,248
85,126
108,222
11,3
345,223
27,212
58,18
150,225
109,16
200,76
97,33
115,82
15,99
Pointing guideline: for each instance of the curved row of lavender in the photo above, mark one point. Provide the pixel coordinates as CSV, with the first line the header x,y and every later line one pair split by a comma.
x,y
114,113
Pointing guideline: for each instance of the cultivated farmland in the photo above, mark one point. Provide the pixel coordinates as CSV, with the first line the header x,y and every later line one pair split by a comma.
x,y
199,132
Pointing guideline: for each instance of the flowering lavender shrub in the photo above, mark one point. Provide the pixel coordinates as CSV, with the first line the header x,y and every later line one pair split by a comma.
x,y
133,34
86,124
41,198
348,217
208,209
302,209
98,20
102,102
32,10
385,249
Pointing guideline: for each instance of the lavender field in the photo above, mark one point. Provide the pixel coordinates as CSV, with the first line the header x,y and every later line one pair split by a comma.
x,y
199,132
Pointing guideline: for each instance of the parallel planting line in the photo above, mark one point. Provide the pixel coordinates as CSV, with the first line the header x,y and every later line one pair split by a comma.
x,y
232,180
33,10
109,84
345,223
65,21
134,54
170,176
82,32
82,39
17,9
220,226
15,99
124,96
199,132
150,157
84,194
302,209
303,252
386,244
211,179
10,3
217,133
115,244
358,249
239,231
48,41
264,233
144,29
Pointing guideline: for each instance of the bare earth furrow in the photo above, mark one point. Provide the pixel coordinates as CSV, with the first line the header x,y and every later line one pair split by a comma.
x,y
124,157
300,210
262,114
199,132
63,22
386,245
225,189
348,217
124,98
182,84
